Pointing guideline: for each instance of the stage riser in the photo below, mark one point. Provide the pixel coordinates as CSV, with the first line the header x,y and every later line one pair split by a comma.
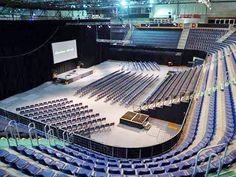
x,y
131,124
81,73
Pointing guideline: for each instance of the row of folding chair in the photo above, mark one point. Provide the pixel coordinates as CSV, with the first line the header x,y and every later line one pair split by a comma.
x,y
118,97
59,120
41,104
118,88
76,121
62,105
91,87
135,95
126,77
103,86
103,79
95,129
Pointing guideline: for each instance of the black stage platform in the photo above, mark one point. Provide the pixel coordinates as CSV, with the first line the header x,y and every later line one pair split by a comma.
x,y
134,119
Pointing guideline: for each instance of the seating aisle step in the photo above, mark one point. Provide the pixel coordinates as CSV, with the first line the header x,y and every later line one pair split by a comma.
x,y
228,34
183,39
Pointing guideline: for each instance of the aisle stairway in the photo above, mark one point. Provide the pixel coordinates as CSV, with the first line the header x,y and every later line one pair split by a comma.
x,y
226,36
183,38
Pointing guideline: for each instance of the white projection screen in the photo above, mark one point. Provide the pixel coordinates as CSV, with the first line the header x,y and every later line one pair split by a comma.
x,y
63,51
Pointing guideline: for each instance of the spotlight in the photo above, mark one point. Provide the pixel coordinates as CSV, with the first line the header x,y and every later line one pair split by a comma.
x,y
123,3
206,3
151,3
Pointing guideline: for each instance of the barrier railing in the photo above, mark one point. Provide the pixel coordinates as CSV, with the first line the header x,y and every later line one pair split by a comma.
x,y
11,129
32,129
52,132
210,157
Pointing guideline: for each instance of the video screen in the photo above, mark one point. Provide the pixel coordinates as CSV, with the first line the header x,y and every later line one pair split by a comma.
x,y
63,51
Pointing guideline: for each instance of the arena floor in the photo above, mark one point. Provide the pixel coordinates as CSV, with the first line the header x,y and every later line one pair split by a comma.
x,y
119,135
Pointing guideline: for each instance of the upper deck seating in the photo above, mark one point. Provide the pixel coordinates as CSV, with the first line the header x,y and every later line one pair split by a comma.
x,y
203,39
157,38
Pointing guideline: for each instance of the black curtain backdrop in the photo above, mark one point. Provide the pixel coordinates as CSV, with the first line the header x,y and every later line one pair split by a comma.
x,y
19,73
162,56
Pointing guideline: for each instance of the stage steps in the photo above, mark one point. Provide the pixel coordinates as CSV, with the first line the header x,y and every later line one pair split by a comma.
x,y
165,112
183,38
228,34
168,102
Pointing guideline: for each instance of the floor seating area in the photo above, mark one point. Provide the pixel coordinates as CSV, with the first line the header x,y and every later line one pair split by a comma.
x,y
123,87
62,113
175,85
141,66
157,38
204,39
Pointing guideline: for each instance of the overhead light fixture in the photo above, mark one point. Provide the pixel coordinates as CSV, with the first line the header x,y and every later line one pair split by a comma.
x,y
124,3
206,3
151,3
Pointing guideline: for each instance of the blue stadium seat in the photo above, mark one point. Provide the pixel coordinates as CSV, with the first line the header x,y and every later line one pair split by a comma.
x,y
31,170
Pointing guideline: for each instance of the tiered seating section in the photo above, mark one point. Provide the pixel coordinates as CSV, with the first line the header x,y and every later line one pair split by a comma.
x,y
141,66
232,37
178,84
119,86
157,38
62,113
118,32
204,39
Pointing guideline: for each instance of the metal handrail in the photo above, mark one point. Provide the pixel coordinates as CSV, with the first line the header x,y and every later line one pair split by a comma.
x,y
209,163
71,135
45,130
12,134
51,134
204,149
31,125
63,136
57,134
30,135
16,127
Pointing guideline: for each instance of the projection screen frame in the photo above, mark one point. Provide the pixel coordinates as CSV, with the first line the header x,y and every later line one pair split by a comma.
x,y
64,51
